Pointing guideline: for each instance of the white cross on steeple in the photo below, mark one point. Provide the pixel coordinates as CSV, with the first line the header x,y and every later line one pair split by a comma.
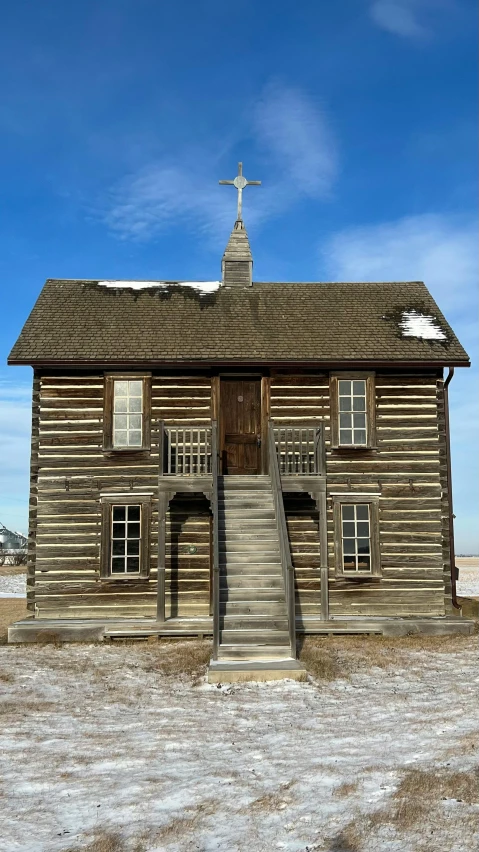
x,y
240,182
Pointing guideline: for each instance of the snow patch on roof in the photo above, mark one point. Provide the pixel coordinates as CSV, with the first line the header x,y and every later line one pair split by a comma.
x,y
414,324
202,287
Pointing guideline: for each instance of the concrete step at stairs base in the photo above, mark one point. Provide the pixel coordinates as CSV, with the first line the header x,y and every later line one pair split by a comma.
x,y
254,652
224,671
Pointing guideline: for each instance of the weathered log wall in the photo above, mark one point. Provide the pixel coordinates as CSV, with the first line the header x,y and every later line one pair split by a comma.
x,y
406,471
73,472
70,471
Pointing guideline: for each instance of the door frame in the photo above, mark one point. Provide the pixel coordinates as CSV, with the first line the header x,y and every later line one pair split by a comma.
x,y
265,401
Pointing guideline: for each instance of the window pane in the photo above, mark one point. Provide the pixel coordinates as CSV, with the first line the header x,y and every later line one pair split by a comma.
x,y
133,531
360,437
135,403
359,388
118,530
345,436
345,403
120,421
344,387
118,548
132,564
363,545
133,547
348,529
349,563
363,529
120,438
364,563
121,388
135,388
117,565
345,421
349,545
359,421
348,513
134,421
359,403
118,513
121,404
134,439
362,512
133,513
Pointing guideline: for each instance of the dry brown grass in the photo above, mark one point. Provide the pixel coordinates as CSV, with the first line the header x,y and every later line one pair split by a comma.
x,y
180,658
275,801
422,789
103,842
331,657
347,788
12,570
11,609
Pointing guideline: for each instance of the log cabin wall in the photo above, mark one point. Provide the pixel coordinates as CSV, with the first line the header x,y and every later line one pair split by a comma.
x,y
407,473
67,481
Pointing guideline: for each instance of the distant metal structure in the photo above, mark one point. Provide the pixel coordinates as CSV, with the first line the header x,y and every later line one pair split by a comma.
x,y
10,540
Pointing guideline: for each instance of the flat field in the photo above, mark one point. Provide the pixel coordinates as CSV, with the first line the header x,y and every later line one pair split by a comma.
x,y
125,748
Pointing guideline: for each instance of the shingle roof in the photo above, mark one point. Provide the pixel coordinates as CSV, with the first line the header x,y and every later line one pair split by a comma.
x,y
331,323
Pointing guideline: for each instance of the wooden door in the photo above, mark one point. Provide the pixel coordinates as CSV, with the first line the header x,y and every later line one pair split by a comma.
x,y
240,413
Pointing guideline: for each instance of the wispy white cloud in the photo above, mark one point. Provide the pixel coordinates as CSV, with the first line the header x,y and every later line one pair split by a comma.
x,y
400,17
15,423
436,249
413,19
289,131
296,133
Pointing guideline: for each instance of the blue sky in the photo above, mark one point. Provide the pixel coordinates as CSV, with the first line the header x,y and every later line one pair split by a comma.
x,y
118,118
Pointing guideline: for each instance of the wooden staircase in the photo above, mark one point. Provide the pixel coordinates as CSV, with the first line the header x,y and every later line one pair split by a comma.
x,y
254,638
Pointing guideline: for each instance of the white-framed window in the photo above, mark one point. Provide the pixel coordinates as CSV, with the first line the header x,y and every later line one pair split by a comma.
x,y
356,537
125,539
352,412
127,413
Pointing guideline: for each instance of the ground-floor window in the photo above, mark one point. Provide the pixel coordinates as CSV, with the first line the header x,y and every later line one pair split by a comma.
x,y
356,536
125,537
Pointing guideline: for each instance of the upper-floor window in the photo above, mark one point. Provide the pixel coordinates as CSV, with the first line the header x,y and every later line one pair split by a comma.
x,y
353,407
352,412
127,413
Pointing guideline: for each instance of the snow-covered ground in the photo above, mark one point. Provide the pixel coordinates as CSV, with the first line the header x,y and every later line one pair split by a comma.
x,y
13,586
468,583
95,740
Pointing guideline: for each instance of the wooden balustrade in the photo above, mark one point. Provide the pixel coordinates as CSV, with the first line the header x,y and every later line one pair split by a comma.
x,y
188,450
299,449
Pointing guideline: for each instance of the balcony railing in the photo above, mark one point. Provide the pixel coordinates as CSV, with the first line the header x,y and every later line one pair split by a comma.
x,y
187,450
299,449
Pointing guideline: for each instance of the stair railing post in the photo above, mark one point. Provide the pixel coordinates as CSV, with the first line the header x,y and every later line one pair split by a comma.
x,y
323,552
285,552
162,510
215,555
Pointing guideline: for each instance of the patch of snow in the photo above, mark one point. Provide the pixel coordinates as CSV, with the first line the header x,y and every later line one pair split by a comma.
x,y
468,583
414,324
176,768
202,287
13,586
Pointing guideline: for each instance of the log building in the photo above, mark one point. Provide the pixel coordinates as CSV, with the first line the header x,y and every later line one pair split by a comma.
x,y
239,459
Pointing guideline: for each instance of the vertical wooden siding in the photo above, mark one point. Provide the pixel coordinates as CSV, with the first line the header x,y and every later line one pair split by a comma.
x,y
406,471
73,470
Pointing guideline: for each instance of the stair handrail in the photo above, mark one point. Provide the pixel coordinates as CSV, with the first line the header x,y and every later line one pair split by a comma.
x,y
216,547
284,548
